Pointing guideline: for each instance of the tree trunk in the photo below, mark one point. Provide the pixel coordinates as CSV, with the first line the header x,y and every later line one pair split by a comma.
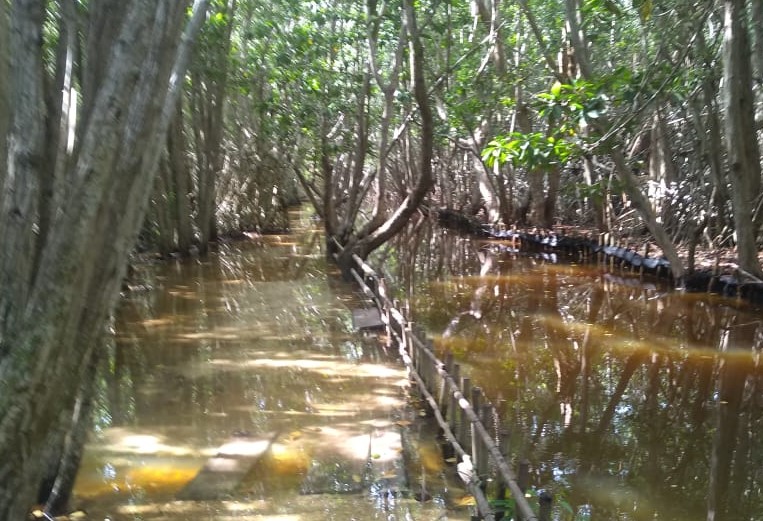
x,y
662,171
595,200
535,179
26,150
389,89
425,179
756,30
549,204
161,208
61,106
624,173
741,137
181,176
72,444
5,75
60,314
210,93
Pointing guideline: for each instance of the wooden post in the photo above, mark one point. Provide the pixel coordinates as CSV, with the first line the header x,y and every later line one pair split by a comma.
x,y
502,440
463,426
486,416
442,399
523,479
431,367
413,347
545,500
504,448
477,449
454,410
384,308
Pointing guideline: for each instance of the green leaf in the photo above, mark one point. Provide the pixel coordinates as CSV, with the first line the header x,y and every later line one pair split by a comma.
x,y
556,89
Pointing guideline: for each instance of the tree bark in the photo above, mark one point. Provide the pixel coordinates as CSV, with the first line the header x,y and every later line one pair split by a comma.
x,y
756,32
662,171
60,314
181,177
26,146
5,117
61,110
741,136
70,447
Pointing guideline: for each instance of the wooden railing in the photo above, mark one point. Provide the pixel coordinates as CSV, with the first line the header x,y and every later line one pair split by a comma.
x,y
470,423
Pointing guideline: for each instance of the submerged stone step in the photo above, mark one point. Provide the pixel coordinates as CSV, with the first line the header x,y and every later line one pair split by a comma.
x,y
371,463
365,319
221,474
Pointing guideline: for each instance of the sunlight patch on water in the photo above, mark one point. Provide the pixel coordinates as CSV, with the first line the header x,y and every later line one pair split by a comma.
x,y
121,477
144,444
157,322
244,448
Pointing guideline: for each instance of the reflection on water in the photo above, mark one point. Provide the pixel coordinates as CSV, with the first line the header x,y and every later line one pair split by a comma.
x,y
632,401
238,381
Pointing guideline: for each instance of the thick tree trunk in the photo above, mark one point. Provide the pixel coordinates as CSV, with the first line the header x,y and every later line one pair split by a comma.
x,y
61,106
535,180
741,137
71,444
549,206
26,149
5,75
60,314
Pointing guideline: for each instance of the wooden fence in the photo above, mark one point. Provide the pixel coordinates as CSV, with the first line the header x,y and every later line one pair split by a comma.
x,y
469,422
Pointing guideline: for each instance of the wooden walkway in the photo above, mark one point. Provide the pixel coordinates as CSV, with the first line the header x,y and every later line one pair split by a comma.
x,y
470,423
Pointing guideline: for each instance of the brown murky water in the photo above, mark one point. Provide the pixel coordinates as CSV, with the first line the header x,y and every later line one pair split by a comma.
x,y
631,401
237,388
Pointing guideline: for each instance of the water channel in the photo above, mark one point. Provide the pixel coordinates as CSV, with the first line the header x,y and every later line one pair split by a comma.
x,y
631,401
236,387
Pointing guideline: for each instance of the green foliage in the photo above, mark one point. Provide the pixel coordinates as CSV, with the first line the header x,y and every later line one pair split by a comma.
x,y
571,105
533,150
566,107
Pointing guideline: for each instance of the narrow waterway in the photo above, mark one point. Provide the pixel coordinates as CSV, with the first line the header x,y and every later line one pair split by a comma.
x,y
237,387
631,401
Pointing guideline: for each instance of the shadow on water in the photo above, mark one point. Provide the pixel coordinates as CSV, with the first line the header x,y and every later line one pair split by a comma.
x,y
632,401
238,388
